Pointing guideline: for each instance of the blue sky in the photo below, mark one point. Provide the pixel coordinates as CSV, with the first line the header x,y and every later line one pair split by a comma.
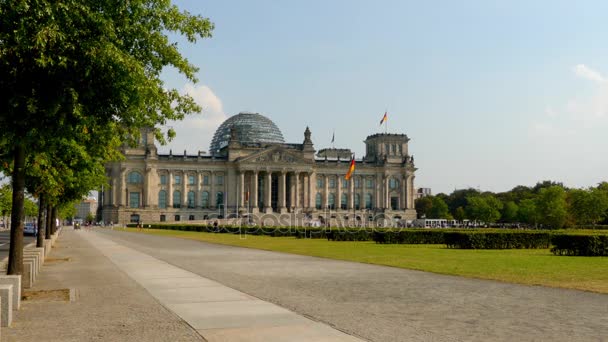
x,y
493,94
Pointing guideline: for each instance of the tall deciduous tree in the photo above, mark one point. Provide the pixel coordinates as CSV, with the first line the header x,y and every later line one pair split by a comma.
x,y
88,68
485,208
551,206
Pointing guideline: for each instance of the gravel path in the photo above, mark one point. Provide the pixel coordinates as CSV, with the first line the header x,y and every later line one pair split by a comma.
x,y
389,304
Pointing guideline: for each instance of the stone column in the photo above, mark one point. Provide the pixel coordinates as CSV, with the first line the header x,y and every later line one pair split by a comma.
x,y
386,197
339,193
212,198
184,189
170,189
267,195
311,192
351,194
411,192
241,191
404,199
296,190
146,199
282,191
113,190
378,188
199,190
325,192
123,188
253,197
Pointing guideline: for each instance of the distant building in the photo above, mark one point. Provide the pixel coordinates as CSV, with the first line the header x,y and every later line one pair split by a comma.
x,y
423,192
250,170
86,207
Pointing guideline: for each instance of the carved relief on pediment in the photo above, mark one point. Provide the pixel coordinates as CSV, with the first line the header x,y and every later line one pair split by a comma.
x,y
275,157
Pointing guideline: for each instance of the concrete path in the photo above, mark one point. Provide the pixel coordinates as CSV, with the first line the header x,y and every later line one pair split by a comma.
x,y
108,305
216,311
384,303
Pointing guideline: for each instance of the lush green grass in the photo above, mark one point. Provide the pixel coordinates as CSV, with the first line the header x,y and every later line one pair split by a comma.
x,y
524,266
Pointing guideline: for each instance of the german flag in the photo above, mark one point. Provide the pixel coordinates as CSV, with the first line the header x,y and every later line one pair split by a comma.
x,y
384,118
351,168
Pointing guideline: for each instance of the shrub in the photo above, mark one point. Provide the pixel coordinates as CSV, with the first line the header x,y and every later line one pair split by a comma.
x,y
497,240
409,236
580,245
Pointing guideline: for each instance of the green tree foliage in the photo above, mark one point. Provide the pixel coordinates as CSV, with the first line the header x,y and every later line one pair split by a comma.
x,y
587,206
423,206
67,210
551,206
31,208
80,73
527,212
439,209
510,212
485,208
458,198
460,214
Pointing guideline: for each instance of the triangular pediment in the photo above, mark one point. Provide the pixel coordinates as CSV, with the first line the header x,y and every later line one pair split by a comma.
x,y
274,154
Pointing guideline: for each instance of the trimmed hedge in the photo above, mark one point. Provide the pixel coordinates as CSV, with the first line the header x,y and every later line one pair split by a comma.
x,y
410,236
580,245
497,240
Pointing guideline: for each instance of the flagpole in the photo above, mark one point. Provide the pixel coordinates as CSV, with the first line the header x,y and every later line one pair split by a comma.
x,y
386,122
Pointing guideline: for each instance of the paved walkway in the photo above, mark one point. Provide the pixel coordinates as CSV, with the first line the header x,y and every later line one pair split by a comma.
x,y
385,303
217,312
109,305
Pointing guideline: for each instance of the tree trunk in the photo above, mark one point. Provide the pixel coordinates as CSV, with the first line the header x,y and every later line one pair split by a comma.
x,y
54,219
41,222
47,231
15,256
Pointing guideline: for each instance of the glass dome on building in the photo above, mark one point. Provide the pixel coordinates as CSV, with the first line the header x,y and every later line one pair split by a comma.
x,y
251,128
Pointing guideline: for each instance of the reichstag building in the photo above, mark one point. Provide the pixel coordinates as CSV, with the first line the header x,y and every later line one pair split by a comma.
x,y
250,171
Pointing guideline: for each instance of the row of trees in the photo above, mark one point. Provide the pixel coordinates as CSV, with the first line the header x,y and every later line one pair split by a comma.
x,y
30,207
78,78
550,204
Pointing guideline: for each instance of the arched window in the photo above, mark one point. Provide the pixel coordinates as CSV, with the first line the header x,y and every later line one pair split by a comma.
x,y
368,201
191,202
162,199
393,183
332,201
135,178
219,200
357,201
318,198
343,201
205,199
177,199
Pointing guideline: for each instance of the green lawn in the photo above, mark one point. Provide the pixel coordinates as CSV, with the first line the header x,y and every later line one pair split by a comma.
x,y
524,266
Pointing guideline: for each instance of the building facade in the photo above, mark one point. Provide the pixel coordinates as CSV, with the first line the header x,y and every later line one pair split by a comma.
x,y
251,172
85,208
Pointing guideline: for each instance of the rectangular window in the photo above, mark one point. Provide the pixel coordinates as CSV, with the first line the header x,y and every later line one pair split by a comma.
x,y
177,217
205,180
191,180
134,199
178,179
369,183
332,183
357,183
163,218
320,183
163,179
219,180
344,184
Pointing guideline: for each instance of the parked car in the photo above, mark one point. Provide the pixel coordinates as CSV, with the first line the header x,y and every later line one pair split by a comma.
x,y
30,228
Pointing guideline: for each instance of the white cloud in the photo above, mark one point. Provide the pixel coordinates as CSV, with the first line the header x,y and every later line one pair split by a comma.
x,y
584,71
195,132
